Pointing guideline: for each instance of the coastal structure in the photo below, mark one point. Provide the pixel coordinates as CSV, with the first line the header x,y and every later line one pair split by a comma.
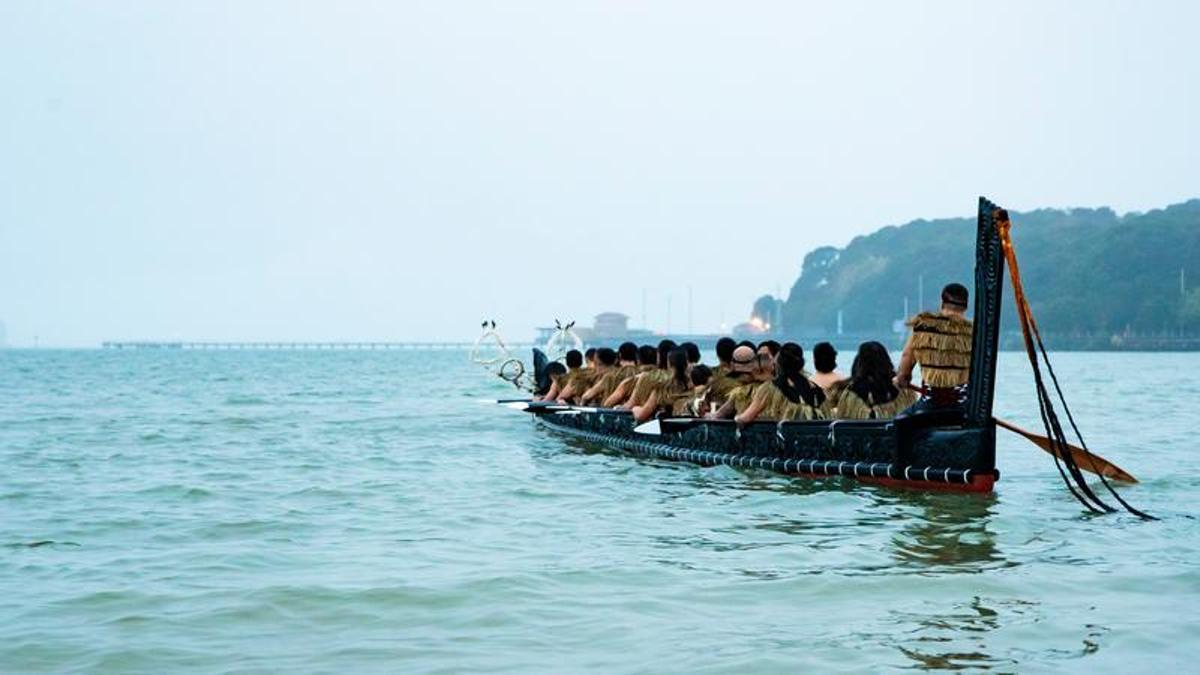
x,y
289,345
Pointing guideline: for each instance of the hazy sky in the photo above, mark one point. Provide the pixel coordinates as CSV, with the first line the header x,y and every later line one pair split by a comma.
x,y
401,170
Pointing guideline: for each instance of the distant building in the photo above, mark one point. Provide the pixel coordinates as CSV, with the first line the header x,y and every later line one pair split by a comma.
x,y
610,326
607,327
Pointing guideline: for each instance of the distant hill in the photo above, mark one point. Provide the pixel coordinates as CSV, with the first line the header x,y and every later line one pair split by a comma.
x,y
1088,272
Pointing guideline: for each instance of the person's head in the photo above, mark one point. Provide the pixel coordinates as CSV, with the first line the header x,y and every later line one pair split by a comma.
x,y
795,351
824,357
555,370
747,343
771,346
873,362
872,372
647,355
677,361
954,298
790,364
590,356
725,347
605,357
664,352
627,352
743,360
693,351
574,359
789,376
701,374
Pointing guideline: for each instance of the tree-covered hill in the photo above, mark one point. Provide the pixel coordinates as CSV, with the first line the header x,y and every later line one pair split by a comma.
x,y
1087,272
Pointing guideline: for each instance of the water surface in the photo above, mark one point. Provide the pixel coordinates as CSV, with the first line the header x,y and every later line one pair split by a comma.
x,y
362,511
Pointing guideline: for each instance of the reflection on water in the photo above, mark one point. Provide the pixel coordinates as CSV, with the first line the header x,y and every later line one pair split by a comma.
x,y
957,638
947,533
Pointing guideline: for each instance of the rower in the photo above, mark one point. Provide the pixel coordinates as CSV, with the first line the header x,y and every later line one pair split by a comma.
x,y
604,387
768,349
555,371
574,363
825,363
870,393
744,365
789,395
694,405
725,347
664,392
693,352
648,381
941,344
578,379
647,362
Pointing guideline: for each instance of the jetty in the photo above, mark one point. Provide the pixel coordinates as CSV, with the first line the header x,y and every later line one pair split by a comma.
x,y
286,345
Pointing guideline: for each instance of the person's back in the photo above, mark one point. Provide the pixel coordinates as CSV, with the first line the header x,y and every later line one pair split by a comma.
x,y
742,364
577,380
693,405
825,363
870,393
788,395
666,389
940,344
724,349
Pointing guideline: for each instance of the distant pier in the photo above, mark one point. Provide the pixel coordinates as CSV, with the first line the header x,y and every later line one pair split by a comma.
x,y
288,346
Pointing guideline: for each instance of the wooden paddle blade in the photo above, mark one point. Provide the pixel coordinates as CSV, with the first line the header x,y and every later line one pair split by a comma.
x,y
1088,461
652,428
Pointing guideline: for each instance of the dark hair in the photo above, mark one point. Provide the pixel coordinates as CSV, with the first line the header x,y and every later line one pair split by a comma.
x,y
771,345
664,353
701,374
790,379
553,369
824,357
872,373
747,343
693,351
725,347
795,349
606,356
647,355
955,294
677,360
590,353
574,358
627,351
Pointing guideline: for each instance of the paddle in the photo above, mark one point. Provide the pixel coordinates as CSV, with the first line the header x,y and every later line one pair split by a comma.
x,y
1088,461
666,425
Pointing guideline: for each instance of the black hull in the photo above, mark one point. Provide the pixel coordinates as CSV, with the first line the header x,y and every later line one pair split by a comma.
x,y
902,453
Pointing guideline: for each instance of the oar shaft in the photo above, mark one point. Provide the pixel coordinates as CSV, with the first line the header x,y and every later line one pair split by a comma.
x,y
1084,459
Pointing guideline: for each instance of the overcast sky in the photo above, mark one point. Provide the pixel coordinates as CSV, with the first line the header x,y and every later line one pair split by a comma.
x,y
402,170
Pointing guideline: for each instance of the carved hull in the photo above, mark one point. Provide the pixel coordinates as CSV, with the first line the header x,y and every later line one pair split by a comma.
x,y
906,453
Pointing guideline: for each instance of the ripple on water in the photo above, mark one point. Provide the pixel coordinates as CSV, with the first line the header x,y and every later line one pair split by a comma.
x,y
351,512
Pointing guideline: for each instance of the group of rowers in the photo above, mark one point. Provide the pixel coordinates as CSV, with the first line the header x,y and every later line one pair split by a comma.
x,y
768,381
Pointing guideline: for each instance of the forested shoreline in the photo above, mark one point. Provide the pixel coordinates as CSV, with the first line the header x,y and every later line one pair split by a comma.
x,y
1094,278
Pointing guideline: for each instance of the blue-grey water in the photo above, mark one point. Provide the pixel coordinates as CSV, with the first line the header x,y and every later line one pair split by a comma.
x,y
364,512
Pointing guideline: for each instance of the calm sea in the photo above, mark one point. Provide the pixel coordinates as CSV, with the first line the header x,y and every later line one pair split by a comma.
x,y
364,512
